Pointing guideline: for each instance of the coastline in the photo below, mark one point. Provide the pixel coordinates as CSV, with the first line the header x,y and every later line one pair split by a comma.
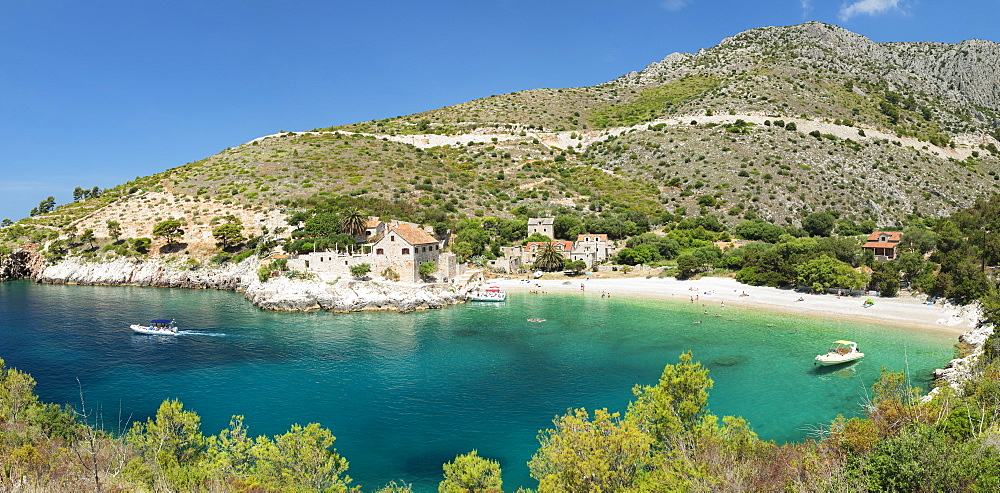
x,y
904,311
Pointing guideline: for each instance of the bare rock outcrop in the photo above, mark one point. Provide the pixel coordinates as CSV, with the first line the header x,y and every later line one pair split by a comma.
x,y
959,370
282,294
278,294
21,264
156,273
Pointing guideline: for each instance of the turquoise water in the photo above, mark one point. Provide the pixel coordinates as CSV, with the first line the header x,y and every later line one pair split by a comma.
x,y
404,393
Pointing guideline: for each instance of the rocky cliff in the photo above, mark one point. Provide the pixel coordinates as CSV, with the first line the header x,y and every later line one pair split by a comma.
x,y
21,264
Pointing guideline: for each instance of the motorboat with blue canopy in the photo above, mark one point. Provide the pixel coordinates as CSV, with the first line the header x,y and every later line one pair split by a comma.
x,y
158,326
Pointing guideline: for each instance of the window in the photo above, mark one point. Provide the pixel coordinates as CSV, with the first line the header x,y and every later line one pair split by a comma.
x,y
392,238
406,251
379,251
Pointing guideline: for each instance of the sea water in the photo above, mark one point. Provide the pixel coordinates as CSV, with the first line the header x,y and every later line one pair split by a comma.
x,y
404,393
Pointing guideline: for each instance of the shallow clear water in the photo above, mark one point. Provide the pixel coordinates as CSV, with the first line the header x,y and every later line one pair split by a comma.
x,y
404,393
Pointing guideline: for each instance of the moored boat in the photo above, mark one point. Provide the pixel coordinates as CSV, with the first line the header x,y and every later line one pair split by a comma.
x,y
840,352
492,293
160,327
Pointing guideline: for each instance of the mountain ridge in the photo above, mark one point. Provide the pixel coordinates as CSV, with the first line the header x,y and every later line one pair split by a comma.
x,y
867,130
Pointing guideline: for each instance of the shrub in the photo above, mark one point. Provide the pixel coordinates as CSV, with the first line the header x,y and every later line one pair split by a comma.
x,y
360,270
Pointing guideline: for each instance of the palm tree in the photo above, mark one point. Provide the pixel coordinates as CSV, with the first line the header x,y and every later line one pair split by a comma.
x,y
549,259
352,222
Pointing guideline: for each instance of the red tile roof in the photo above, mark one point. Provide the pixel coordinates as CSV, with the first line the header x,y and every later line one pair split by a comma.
x,y
892,236
413,236
878,244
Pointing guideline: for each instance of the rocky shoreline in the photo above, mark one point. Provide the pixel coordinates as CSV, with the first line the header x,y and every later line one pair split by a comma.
x,y
277,294
960,370
134,272
282,294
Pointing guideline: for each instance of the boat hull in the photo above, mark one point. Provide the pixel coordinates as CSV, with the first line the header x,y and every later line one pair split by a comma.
x,y
830,360
488,298
143,329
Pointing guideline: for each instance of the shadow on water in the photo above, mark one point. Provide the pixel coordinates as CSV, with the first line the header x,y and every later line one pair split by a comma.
x,y
843,370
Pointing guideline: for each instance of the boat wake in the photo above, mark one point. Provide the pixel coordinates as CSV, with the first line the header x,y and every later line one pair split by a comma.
x,y
197,333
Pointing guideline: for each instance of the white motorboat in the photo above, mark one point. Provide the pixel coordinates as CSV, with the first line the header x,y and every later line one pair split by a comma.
x,y
840,352
492,293
158,327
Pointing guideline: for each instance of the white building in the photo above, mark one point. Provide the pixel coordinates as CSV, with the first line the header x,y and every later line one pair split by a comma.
x,y
592,249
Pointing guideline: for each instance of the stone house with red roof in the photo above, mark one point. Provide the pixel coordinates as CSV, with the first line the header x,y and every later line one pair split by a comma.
x,y
401,247
883,244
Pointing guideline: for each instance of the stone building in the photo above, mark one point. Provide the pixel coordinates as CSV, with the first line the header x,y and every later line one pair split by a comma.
x,y
542,225
592,249
401,247
517,258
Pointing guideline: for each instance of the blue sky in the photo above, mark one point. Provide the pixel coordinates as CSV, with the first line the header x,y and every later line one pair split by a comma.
x,y
97,93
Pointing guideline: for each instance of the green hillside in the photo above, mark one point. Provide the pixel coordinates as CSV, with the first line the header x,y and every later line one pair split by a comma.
x,y
773,123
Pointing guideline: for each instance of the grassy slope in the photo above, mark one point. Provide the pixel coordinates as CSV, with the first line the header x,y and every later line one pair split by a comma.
x,y
797,72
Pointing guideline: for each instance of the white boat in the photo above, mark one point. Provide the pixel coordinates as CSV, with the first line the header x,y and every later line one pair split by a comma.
x,y
492,293
158,327
840,352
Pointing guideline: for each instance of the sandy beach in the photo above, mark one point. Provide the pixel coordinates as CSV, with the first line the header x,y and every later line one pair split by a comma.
x,y
904,311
